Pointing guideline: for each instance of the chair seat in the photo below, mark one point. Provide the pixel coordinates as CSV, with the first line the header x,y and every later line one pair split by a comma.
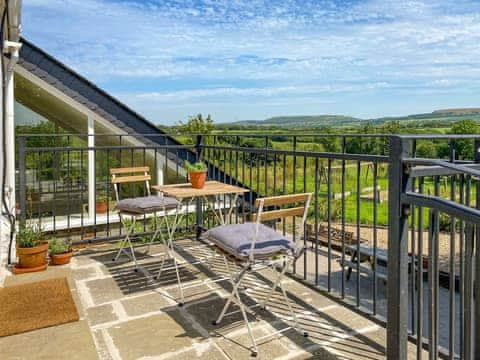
x,y
146,204
236,240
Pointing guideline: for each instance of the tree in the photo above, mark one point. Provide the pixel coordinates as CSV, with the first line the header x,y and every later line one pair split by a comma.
x,y
426,149
329,143
196,125
46,163
464,148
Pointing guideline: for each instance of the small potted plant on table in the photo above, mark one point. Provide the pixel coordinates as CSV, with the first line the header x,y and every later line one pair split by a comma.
x,y
60,252
197,173
31,250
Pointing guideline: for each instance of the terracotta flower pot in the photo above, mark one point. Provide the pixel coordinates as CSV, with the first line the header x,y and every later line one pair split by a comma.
x,y
198,178
60,259
101,207
32,257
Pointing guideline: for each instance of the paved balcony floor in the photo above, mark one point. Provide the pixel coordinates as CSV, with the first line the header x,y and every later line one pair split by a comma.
x,y
131,315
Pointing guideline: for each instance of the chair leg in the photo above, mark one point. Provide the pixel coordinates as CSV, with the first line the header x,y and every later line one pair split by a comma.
x,y
133,253
274,287
235,284
158,230
247,323
235,296
122,245
287,301
126,241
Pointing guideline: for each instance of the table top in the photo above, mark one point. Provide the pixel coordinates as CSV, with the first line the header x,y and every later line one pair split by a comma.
x,y
182,191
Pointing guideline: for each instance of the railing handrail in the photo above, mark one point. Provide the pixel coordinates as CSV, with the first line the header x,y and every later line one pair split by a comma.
x,y
262,150
454,209
319,154
214,134
98,147
461,168
289,134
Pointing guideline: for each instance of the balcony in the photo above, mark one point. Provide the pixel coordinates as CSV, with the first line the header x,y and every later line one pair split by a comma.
x,y
382,220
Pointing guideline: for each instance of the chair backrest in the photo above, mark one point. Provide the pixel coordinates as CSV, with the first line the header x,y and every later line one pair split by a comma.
x,y
281,200
301,202
130,175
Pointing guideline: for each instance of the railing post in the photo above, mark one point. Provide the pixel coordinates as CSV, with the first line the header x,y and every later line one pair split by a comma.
x,y
199,205
397,283
22,177
476,322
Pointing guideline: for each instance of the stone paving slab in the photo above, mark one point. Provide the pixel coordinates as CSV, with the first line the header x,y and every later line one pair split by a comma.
x,y
101,314
143,304
238,346
153,336
72,341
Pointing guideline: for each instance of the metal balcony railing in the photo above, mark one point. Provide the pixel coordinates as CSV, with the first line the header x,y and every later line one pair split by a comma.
x,y
383,220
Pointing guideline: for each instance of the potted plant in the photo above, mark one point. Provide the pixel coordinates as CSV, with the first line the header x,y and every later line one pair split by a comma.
x,y
31,249
101,206
60,252
197,173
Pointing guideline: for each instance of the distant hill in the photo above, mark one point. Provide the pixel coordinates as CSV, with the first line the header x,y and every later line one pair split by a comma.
x,y
299,121
444,115
465,111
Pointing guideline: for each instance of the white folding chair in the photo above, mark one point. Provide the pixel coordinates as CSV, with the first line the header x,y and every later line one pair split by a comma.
x,y
254,245
138,207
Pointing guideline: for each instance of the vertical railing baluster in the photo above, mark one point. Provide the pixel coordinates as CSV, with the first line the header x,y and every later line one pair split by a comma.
x,y
468,330
359,256
82,233
412,251
329,225
375,235
316,193
421,184
22,179
476,330
433,280
344,148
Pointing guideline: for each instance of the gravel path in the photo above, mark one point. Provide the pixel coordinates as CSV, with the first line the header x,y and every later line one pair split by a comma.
x,y
366,232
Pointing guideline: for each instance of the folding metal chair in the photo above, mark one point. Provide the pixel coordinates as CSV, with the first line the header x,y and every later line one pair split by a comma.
x,y
255,246
138,207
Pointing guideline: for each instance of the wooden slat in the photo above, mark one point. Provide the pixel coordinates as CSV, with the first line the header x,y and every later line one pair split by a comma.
x,y
127,170
282,199
133,178
278,214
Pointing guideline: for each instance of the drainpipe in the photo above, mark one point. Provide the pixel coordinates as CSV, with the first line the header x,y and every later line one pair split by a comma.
x,y
11,48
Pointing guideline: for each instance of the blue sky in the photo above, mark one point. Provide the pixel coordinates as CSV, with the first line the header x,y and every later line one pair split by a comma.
x,y
249,59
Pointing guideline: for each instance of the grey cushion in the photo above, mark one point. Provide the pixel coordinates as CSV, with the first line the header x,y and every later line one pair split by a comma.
x,y
146,204
236,239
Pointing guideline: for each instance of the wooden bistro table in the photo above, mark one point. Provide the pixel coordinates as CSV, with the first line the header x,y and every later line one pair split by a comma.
x,y
211,195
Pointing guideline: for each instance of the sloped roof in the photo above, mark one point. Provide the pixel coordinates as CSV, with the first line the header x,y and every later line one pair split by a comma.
x,y
74,85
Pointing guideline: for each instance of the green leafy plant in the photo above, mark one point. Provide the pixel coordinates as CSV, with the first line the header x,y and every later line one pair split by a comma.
x,y
198,166
56,247
28,236
102,198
